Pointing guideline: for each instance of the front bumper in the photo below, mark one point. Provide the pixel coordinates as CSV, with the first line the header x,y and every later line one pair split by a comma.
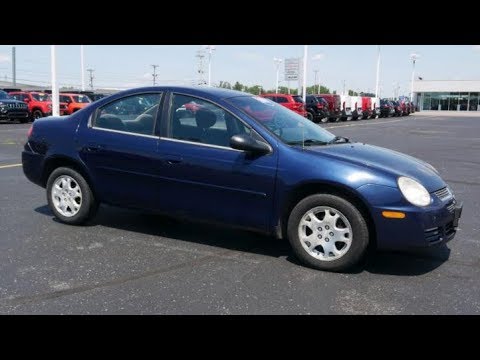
x,y
421,227
14,115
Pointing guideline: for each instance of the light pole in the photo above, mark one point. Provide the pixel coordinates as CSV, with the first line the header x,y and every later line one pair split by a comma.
x,y
259,90
277,63
305,54
317,57
82,61
154,74
315,84
378,72
414,58
55,102
210,49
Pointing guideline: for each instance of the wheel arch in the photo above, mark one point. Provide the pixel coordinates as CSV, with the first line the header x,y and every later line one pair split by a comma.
x,y
303,190
57,161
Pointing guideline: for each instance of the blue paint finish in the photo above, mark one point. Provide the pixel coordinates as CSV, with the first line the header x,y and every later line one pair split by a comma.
x,y
233,187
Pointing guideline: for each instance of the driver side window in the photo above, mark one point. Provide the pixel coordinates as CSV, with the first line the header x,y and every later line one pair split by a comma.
x,y
134,114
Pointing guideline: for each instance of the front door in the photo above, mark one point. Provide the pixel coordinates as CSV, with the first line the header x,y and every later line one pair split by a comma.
x,y
207,178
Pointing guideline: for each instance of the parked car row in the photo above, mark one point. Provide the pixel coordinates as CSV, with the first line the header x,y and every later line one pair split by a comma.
x,y
23,106
332,107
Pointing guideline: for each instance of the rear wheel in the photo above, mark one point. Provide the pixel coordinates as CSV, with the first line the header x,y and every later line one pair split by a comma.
x,y
327,232
310,116
70,197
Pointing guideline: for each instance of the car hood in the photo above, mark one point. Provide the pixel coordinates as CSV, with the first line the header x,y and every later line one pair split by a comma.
x,y
384,160
10,101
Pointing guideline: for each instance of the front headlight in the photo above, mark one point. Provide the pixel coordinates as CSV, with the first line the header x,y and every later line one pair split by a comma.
x,y
414,192
49,106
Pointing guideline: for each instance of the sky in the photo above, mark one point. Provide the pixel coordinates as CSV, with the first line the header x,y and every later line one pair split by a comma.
x,y
127,66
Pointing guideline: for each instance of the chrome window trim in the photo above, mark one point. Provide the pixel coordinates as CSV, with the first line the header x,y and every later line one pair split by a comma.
x,y
201,144
124,132
91,125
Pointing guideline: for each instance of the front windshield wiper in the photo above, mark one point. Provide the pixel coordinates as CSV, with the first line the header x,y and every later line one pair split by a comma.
x,y
339,139
308,142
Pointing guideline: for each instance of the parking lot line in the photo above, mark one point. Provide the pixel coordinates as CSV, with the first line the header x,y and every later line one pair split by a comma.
x,y
9,166
364,123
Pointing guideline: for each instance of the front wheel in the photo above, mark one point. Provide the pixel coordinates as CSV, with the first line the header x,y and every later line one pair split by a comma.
x,y
310,116
327,232
37,114
70,197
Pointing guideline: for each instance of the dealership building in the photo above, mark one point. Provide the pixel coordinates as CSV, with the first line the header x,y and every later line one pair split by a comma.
x,y
447,95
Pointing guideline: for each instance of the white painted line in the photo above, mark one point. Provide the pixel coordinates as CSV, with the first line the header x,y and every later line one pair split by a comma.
x,y
9,166
366,123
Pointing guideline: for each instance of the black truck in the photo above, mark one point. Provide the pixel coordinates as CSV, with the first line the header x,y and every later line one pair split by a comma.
x,y
11,109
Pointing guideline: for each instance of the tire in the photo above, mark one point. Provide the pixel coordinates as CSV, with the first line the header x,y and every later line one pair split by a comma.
x,y
356,224
87,205
37,114
310,116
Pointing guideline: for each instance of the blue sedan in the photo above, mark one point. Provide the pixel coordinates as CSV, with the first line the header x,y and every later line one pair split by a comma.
x,y
231,158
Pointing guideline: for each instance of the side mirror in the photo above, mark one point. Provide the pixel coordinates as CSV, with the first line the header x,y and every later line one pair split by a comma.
x,y
249,144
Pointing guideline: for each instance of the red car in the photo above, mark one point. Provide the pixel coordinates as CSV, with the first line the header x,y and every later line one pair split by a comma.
x,y
74,102
39,104
334,105
367,107
292,102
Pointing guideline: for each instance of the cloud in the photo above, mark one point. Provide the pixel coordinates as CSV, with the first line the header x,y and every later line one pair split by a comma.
x,y
4,58
249,56
476,47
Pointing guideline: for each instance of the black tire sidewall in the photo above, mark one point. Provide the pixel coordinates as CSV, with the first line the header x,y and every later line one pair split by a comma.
x,y
360,237
89,205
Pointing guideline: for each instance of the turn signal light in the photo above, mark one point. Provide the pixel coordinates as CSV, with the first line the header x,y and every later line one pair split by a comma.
x,y
393,214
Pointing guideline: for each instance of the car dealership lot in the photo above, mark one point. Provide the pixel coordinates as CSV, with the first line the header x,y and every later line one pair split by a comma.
x,y
131,262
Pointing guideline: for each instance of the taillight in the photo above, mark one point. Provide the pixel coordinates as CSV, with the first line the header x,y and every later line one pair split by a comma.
x,y
30,131
319,106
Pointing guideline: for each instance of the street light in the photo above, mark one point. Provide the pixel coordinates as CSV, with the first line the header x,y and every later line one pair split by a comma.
x,y
317,57
210,49
277,63
414,58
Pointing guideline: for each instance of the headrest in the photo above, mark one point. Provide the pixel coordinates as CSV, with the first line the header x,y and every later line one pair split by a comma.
x,y
109,121
205,118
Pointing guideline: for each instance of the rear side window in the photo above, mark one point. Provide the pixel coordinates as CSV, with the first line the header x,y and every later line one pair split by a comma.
x,y
281,99
297,99
134,114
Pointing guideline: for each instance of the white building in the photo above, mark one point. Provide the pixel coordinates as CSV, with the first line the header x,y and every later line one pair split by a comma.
x,y
447,95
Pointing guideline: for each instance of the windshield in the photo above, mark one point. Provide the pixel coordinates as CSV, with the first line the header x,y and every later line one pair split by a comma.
x,y
82,99
3,95
288,126
41,97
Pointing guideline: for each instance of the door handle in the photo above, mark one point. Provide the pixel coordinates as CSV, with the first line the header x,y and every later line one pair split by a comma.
x,y
173,161
94,147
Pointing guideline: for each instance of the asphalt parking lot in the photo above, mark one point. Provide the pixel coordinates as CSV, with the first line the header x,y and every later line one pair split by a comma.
x,y
130,262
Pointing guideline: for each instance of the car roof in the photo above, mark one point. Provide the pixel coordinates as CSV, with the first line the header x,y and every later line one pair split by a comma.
x,y
194,90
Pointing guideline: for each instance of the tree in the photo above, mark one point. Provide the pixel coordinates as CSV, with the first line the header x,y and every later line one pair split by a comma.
x,y
314,90
352,93
238,86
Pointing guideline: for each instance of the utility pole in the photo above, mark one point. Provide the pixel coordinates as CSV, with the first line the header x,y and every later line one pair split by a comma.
x,y
316,72
201,66
91,77
14,68
154,74
343,87
277,63
414,58
305,54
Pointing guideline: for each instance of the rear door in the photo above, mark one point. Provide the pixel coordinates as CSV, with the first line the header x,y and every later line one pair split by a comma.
x,y
119,146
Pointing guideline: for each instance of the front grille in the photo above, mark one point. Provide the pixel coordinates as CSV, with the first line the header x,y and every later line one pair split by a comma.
x,y
433,235
16,106
443,193
438,234
451,207
13,114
